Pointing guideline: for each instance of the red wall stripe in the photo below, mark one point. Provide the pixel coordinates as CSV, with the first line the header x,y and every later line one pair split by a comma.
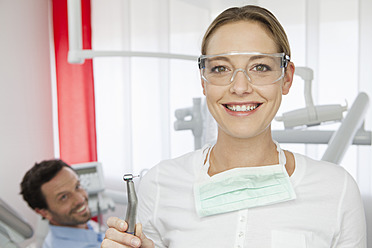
x,y
75,90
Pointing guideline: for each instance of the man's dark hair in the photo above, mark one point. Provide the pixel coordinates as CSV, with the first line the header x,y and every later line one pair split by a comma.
x,y
39,174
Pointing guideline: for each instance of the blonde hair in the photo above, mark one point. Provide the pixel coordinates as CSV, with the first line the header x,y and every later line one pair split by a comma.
x,y
254,14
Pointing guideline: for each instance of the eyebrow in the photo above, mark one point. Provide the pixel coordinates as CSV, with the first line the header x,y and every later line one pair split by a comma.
x,y
263,56
251,58
224,58
60,194
65,192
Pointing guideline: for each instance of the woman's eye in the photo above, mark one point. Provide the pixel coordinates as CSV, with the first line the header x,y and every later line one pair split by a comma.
x,y
261,68
219,69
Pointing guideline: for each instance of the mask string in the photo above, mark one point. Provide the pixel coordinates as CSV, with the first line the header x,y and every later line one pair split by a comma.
x,y
207,154
282,158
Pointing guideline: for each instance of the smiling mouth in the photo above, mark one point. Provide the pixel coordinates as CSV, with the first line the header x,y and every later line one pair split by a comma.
x,y
242,108
81,209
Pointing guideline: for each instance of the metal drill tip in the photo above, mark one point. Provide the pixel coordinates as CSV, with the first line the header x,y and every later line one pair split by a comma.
x,y
128,177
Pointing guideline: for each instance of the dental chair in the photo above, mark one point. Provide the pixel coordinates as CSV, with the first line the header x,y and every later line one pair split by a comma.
x,y
13,228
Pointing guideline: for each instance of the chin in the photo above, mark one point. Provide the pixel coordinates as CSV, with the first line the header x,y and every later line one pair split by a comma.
x,y
88,215
83,220
243,134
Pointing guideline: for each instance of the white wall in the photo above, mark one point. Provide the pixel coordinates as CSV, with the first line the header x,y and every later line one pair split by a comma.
x,y
26,124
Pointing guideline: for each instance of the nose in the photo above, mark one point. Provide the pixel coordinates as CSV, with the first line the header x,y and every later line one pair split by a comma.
x,y
241,82
79,198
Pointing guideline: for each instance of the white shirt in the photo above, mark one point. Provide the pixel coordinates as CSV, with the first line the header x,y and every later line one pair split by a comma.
x,y
328,211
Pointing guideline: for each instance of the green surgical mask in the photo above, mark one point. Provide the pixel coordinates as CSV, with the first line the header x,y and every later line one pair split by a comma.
x,y
242,188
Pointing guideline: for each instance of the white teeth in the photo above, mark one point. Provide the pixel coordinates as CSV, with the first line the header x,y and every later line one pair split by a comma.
x,y
80,209
242,107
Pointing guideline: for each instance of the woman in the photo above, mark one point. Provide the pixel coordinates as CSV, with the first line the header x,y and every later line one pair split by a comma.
x,y
245,191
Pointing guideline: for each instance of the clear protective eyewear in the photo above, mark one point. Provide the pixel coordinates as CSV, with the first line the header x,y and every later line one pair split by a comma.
x,y
259,68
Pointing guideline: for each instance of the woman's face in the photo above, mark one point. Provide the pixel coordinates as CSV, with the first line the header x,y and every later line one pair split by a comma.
x,y
243,110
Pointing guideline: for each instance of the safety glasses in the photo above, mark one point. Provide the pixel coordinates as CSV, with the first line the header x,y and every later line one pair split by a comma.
x,y
259,68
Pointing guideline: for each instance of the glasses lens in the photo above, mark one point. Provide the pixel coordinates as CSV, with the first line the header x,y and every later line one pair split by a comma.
x,y
258,68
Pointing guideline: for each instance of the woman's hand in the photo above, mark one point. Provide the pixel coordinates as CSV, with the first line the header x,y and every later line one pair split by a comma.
x,y
116,237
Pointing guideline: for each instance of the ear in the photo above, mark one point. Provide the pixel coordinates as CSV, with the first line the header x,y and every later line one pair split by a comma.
x,y
43,212
288,78
203,85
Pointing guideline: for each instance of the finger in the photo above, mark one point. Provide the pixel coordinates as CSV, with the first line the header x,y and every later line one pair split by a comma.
x,y
122,238
144,240
107,243
117,223
138,230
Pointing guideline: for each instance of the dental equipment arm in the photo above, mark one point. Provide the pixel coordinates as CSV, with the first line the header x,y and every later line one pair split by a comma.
x,y
313,116
195,124
78,55
292,136
131,214
343,137
307,75
310,115
13,229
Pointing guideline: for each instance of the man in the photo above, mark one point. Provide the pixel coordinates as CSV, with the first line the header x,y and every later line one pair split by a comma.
x,y
53,190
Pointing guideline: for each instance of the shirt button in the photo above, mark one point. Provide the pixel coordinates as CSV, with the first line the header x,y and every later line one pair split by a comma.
x,y
242,219
241,234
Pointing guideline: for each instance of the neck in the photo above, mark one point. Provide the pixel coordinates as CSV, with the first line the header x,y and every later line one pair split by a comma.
x,y
230,152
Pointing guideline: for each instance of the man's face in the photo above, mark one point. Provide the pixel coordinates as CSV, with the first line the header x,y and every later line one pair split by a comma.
x,y
67,201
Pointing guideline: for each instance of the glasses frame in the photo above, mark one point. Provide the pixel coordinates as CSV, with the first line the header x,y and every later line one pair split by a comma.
x,y
284,62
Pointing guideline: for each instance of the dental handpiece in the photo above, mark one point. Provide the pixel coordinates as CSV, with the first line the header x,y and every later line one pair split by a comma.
x,y
131,214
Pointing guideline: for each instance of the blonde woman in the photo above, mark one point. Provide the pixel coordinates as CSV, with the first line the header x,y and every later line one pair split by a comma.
x,y
245,191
